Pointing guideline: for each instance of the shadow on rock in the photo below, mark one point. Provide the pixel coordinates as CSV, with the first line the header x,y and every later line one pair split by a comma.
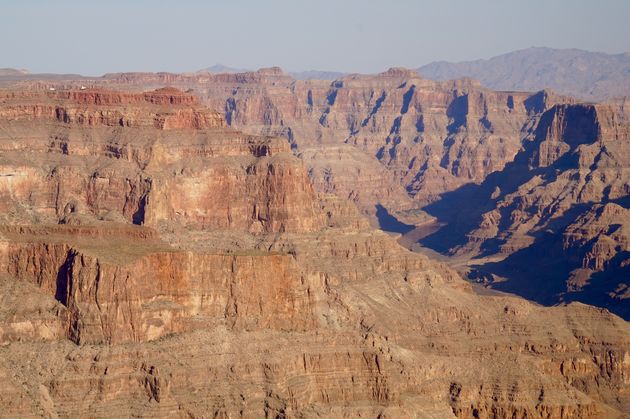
x,y
388,222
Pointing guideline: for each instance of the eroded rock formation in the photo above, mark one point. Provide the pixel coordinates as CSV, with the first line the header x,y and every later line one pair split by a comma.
x,y
432,137
196,272
563,203
496,172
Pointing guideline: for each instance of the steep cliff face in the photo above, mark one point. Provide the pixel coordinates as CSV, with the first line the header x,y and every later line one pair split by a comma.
x,y
205,176
335,327
524,166
161,292
603,232
196,272
428,137
431,137
564,196
577,157
164,108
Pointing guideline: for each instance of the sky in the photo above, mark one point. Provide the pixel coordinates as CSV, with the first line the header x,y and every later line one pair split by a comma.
x,y
92,37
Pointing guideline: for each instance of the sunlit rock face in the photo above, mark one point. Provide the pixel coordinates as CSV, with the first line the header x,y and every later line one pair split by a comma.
x,y
496,176
183,268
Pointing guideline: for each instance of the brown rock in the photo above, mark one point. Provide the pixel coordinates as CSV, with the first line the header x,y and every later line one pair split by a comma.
x,y
245,293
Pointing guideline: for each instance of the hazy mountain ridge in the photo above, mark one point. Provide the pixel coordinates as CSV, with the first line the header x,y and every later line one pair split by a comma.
x,y
12,72
220,68
583,74
298,75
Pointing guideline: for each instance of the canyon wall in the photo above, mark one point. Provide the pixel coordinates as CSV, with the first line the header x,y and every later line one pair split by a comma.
x,y
196,271
431,137
495,172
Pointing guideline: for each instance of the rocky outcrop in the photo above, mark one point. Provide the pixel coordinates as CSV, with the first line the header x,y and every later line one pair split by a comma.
x,y
604,229
163,108
561,199
396,334
577,157
209,178
524,166
411,152
430,137
157,293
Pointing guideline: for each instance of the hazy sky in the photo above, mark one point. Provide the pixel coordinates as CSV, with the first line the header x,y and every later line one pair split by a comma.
x,y
94,37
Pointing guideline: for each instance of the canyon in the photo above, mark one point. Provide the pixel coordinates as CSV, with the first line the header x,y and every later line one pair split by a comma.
x,y
204,245
411,153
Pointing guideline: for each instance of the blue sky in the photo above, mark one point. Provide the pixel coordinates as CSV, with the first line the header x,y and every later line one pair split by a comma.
x,y
94,37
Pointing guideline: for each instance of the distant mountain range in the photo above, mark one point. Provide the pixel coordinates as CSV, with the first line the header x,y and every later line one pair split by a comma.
x,y
583,74
220,68
12,72
298,75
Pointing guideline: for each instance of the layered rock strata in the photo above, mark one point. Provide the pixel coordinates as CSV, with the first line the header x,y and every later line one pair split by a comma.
x,y
523,165
430,137
195,272
562,202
